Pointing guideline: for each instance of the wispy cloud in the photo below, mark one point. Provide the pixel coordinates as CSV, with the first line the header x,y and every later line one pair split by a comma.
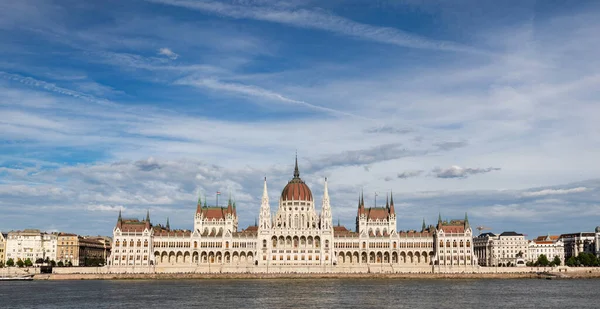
x,y
258,92
409,174
460,172
320,20
168,52
389,129
554,192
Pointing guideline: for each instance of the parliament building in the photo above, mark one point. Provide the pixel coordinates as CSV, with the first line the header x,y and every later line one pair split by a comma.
x,y
295,239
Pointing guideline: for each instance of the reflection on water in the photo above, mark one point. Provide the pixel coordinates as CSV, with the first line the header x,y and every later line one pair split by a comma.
x,y
302,293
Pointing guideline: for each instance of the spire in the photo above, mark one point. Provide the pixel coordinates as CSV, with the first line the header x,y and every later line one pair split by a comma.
x,y
265,194
147,215
423,227
362,198
296,171
199,206
359,201
440,218
338,221
120,217
466,220
325,191
392,210
387,202
255,222
168,225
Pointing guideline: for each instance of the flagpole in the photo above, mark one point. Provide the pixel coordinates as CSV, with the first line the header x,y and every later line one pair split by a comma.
x,y
217,200
375,199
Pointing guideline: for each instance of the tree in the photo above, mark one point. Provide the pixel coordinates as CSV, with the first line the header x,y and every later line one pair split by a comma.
x,y
28,263
20,263
1,264
543,260
60,264
584,259
39,261
556,260
10,262
52,263
69,264
571,262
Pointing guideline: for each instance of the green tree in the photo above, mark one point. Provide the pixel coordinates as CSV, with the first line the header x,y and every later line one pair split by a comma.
x,y
10,262
1,264
69,264
571,262
20,263
543,260
60,264
52,263
584,259
556,260
28,263
39,261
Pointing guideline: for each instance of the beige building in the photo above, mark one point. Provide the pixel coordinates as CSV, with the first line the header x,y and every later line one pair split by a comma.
x,y
550,246
30,244
508,248
93,250
3,248
68,249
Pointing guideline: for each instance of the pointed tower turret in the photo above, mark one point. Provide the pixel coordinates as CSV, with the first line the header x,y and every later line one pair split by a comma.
x,y
265,210
168,225
423,227
326,219
439,219
392,209
147,215
119,220
387,202
467,225
296,171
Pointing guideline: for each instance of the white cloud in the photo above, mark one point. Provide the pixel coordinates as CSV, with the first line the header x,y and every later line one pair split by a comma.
x,y
554,192
456,171
168,52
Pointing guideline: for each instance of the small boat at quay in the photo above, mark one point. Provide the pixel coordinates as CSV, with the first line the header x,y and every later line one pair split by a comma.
x,y
17,278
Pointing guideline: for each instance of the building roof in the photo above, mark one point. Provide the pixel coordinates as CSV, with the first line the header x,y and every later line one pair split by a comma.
x,y
488,234
510,233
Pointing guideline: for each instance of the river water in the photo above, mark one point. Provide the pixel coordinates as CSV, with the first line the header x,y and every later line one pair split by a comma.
x,y
303,293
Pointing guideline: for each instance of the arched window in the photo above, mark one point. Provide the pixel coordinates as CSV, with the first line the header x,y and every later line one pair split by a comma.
x,y
139,243
264,243
131,243
468,244
326,243
461,244
454,244
117,243
195,244
447,244
145,243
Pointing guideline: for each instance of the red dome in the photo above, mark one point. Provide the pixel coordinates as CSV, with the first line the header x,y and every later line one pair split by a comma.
x,y
296,189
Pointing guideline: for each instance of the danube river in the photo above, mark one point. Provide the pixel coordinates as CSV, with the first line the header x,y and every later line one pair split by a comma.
x,y
303,293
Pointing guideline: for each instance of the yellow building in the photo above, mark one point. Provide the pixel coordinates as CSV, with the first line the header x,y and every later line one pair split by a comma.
x,y
68,249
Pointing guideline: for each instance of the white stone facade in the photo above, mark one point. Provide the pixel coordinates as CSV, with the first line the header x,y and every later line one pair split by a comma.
x,y
30,244
508,248
550,246
3,247
576,243
296,237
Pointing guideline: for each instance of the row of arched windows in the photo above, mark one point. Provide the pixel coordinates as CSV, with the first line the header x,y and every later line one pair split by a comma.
x,y
455,244
132,243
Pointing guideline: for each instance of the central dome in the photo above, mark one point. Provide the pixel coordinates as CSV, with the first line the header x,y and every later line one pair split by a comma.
x,y
296,189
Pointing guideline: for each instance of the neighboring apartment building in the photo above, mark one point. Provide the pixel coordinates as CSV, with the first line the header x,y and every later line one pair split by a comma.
x,y
68,249
3,248
550,246
30,244
506,248
576,243
482,247
93,250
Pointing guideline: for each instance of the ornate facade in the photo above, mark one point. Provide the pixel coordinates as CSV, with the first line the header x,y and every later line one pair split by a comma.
x,y
296,237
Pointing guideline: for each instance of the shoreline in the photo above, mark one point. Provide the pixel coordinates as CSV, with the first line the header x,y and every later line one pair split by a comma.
x,y
226,276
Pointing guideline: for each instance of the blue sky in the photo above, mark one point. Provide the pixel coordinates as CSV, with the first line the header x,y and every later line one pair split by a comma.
x,y
456,106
